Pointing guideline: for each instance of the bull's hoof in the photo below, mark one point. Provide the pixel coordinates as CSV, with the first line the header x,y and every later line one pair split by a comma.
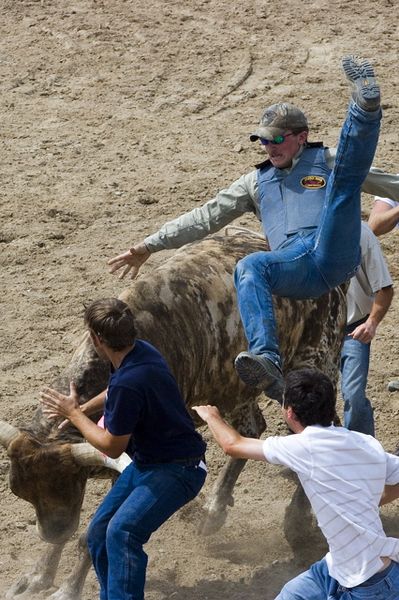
x,y
65,594
212,522
18,588
25,588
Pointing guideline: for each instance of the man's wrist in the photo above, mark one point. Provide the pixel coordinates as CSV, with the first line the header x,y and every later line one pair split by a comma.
x,y
76,414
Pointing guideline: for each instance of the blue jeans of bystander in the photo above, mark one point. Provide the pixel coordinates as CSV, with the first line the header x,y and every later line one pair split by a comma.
x,y
317,584
142,498
358,412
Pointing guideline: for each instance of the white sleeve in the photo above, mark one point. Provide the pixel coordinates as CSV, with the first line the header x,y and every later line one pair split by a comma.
x,y
290,451
373,261
392,475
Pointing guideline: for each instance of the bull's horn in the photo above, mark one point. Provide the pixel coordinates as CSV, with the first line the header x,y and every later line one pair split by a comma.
x,y
7,433
86,455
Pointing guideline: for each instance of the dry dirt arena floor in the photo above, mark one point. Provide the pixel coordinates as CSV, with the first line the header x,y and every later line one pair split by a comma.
x,y
117,115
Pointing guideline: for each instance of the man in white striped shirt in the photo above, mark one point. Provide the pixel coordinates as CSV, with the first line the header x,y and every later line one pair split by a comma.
x,y
346,475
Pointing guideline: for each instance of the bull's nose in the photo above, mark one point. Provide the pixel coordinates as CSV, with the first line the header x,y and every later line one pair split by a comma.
x,y
56,531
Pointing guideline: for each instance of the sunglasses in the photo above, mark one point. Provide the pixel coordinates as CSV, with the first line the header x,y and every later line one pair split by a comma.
x,y
279,139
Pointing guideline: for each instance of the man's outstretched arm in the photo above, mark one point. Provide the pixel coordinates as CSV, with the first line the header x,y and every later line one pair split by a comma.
x,y
231,442
194,225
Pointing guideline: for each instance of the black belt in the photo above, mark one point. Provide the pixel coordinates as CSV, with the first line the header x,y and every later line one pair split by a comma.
x,y
185,462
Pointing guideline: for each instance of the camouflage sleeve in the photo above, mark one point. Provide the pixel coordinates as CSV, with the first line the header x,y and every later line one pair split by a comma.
x,y
228,204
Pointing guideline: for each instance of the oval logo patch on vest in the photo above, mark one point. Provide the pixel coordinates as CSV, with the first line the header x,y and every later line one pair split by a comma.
x,y
313,182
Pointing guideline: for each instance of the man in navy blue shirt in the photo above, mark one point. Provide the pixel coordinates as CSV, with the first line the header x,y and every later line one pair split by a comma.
x,y
145,416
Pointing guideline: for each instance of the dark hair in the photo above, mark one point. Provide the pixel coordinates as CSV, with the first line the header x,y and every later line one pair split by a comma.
x,y
311,395
113,322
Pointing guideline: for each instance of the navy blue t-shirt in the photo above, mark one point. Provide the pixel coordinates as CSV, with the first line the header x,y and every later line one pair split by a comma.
x,y
143,399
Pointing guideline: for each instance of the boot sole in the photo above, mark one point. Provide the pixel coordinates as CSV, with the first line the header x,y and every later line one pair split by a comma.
x,y
361,74
256,374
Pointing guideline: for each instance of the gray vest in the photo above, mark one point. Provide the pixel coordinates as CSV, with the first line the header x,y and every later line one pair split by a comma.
x,y
292,202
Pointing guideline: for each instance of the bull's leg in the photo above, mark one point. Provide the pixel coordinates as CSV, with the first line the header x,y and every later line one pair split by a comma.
x,y
300,528
249,421
221,496
72,587
40,578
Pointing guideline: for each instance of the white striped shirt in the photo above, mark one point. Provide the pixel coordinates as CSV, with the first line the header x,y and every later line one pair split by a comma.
x,y
343,474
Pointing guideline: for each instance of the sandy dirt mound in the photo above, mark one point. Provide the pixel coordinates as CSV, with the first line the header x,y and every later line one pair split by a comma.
x,y
115,116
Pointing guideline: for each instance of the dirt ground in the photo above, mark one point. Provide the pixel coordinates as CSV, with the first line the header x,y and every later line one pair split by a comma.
x,y
117,115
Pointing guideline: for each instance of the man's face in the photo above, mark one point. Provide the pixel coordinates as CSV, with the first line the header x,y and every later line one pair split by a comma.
x,y
281,155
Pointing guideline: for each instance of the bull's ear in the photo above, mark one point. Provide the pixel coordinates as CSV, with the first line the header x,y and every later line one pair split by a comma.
x,y
8,433
86,455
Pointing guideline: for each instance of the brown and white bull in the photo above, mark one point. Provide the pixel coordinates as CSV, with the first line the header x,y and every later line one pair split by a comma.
x,y
187,309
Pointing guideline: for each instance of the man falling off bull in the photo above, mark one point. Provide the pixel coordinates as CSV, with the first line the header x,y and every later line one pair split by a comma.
x,y
308,199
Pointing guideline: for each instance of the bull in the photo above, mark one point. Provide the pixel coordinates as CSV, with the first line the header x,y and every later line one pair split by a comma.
x,y
187,309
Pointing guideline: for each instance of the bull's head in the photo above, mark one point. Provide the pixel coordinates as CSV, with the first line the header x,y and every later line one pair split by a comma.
x,y
52,477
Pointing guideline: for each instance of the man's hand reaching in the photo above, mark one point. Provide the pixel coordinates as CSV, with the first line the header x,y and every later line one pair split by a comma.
x,y
56,404
130,261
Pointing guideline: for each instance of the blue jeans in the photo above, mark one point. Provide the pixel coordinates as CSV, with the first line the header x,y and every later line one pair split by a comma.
x,y
307,266
358,412
142,498
317,584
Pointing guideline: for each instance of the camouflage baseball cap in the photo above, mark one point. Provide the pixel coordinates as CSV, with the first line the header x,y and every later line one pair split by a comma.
x,y
277,119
